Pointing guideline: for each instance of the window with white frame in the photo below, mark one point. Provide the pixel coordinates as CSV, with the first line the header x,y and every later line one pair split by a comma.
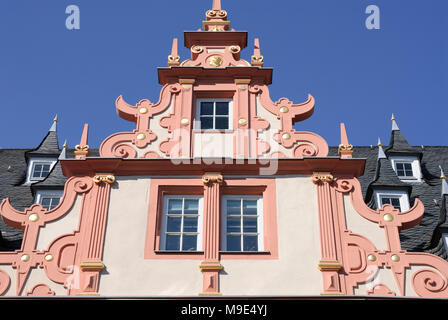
x,y
39,168
406,167
48,199
397,198
182,223
214,114
242,223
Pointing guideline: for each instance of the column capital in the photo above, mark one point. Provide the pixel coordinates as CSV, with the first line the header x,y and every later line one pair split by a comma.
x,y
212,177
322,177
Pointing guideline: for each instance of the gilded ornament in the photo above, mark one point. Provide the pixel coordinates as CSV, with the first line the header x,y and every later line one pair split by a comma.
x,y
143,110
242,121
141,136
48,257
395,258
212,178
197,49
173,60
257,61
371,257
322,177
25,258
284,109
107,178
286,136
235,49
388,217
33,217
82,149
215,61
185,121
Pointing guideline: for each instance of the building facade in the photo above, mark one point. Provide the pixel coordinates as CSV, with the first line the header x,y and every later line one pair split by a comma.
x,y
216,194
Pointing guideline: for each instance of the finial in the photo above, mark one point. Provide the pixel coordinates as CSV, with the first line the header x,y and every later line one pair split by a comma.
x,y
394,124
216,5
53,126
216,18
173,58
82,149
444,183
442,175
63,154
345,149
257,58
381,154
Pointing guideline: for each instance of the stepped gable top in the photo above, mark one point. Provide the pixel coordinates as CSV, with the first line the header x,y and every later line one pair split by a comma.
x,y
215,46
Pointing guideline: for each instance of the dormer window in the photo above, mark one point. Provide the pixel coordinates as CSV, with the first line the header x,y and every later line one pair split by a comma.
x,y
49,199
399,199
214,114
39,168
407,168
404,169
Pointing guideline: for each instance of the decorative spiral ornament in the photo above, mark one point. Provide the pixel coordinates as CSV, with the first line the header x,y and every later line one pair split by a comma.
x,y
235,49
83,185
305,150
124,151
197,49
4,282
428,283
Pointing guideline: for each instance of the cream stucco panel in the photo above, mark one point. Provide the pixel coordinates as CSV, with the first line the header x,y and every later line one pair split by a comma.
x,y
359,225
127,272
67,224
295,272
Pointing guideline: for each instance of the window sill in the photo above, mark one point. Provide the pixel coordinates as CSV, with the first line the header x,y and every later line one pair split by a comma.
x,y
246,252
178,252
213,131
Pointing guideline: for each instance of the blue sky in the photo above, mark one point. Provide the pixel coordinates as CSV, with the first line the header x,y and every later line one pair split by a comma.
x,y
357,76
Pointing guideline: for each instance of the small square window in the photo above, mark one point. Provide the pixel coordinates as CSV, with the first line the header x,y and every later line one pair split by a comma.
x,y
40,171
404,169
394,201
214,114
49,202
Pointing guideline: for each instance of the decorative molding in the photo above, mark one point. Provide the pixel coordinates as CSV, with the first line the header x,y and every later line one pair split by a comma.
x,y
212,177
320,177
40,290
104,177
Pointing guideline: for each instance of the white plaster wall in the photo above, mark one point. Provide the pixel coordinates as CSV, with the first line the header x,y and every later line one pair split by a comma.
x,y
213,145
295,272
127,272
359,225
67,224
275,126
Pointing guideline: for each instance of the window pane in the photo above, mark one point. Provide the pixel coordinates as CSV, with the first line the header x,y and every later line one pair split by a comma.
x,y
172,242
190,224
173,224
222,108
206,108
233,225
37,171
175,206
250,243
396,203
222,123
191,206
250,207
233,207
233,243
189,243
206,123
54,202
250,224
46,202
45,170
